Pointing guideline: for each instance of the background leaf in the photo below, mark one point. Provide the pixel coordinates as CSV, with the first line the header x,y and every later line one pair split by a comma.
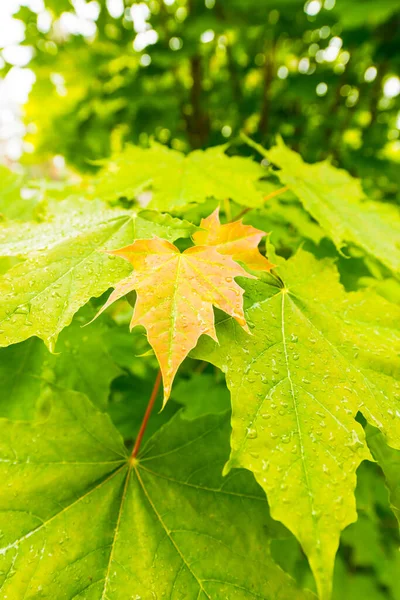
x,y
201,395
337,202
177,180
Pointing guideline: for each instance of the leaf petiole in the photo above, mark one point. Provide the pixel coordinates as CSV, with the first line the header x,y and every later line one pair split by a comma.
x,y
147,414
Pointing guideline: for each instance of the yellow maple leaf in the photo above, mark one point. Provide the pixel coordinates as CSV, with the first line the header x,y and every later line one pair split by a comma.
x,y
234,239
176,293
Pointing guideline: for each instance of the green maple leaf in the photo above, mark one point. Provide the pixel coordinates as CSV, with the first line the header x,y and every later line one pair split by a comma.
x,y
317,356
385,556
336,200
368,548
66,266
75,218
178,180
79,519
21,368
288,223
81,362
201,395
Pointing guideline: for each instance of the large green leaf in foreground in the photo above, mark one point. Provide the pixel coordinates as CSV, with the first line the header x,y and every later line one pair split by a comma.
x,y
73,219
66,266
336,200
177,180
317,356
81,521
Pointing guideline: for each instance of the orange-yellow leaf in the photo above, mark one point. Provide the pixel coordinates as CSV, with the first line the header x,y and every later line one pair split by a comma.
x,y
175,296
234,239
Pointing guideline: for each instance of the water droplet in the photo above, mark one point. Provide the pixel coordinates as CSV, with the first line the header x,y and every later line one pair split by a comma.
x,y
355,442
23,309
251,433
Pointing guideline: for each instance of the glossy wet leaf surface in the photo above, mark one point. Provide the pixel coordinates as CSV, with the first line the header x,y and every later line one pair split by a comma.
x,y
66,266
310,351
317,356
79,521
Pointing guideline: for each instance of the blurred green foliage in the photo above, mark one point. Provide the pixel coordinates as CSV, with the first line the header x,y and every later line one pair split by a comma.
x,y
193,73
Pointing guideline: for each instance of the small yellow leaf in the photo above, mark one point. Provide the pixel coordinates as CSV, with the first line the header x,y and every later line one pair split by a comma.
x,y
175,296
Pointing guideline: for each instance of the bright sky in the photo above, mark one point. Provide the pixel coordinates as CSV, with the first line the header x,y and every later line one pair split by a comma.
x,y
15,87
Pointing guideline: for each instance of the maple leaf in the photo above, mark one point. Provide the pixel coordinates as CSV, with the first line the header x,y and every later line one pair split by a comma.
x,y
79,519
318,355
336,200
178,181
64,269
175,296
81,362
234,239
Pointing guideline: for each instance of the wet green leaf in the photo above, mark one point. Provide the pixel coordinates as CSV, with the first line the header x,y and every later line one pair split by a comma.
x,y
79,520
21,367
67,266
317,356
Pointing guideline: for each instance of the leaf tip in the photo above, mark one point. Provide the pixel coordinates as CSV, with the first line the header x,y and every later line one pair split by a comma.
x,y
227,468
